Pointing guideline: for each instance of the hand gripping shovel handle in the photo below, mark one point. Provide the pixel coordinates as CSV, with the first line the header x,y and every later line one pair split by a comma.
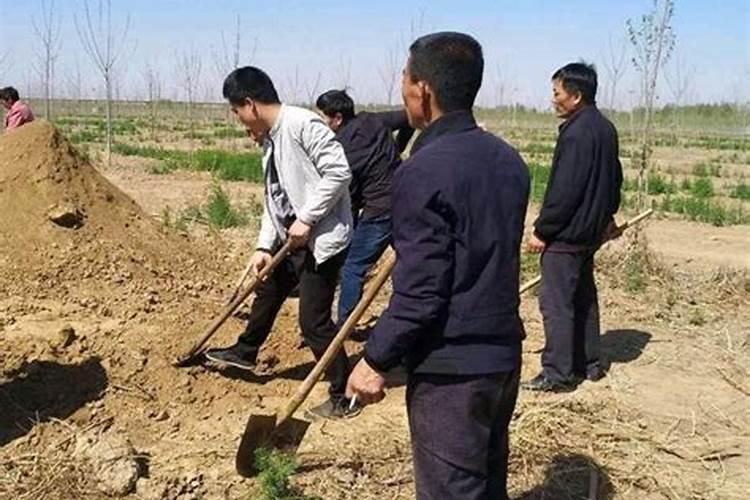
x,y
333,349
635,220
236,303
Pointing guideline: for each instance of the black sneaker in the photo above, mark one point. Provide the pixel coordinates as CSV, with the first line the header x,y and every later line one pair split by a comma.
x,y
229,357
335,408
543,384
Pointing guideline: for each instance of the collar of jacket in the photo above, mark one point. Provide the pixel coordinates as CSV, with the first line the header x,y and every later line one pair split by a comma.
x,y
450,123
587,109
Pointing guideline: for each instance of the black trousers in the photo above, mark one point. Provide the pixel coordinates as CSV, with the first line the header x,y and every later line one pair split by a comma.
x,y
459,434
317,284
570,309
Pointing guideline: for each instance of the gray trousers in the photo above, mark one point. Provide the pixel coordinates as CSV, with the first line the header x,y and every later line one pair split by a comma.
x,y
459,433
570,309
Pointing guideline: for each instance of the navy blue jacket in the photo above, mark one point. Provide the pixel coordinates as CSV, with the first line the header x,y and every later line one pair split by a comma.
x,y
459,204
583,192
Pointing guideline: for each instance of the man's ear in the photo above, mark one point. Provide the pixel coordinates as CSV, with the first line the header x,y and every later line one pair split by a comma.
x,y
426,96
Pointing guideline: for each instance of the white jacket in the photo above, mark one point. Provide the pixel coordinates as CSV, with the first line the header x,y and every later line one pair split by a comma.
x,y
315,175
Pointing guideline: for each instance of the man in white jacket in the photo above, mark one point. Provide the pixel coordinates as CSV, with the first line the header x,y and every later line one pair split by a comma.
x,y
306,201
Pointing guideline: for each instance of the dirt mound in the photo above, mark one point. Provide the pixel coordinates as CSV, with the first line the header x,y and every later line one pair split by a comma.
x,y
67,232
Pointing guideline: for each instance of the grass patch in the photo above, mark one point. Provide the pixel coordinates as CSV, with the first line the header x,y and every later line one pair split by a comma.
x,y
707,170
703,209
741,191
275,470
229,133
702,188
539,174
538,148
219,211
224,165
658,184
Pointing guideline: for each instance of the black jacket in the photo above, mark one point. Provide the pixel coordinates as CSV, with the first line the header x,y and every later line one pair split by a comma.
x,y
373,156
459,204
583,192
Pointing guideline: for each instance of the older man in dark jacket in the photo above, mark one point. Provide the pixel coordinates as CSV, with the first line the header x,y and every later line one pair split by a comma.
x,y
577,213
458,212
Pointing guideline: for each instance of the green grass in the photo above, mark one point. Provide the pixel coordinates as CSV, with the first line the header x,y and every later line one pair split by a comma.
x,y
707,170
275,470
219,211
703,209
741,191
658,184
224,165
229,133
539,178
702,188
538,148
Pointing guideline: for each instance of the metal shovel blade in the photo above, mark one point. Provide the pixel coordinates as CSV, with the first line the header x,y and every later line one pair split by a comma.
x,y
261,431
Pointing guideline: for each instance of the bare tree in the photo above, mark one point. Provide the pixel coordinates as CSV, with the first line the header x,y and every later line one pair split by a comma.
x,y
4,59
152,79
679,78
47,31
653,41
229,54
293,86
312,88
615,64
189,67
74,85
105,48
344,76
389,73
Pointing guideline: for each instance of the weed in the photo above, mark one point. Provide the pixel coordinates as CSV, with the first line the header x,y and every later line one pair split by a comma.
x,y
702,188
274,473
219,211
741,191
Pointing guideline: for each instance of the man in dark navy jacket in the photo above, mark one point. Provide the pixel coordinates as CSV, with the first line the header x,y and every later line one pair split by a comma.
x,y
458,212
576,217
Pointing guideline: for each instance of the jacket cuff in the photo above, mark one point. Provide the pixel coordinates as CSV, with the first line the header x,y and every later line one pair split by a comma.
x,y
378,365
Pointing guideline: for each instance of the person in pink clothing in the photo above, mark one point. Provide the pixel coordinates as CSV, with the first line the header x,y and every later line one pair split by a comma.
x,y
19,113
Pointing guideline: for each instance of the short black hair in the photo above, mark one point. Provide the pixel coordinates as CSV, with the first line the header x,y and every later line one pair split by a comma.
x,y
9,94
336,101
249,82
579,78
452,64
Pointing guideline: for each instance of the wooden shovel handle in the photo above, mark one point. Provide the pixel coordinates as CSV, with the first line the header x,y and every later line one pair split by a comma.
x,y
238,300
333,349
635,220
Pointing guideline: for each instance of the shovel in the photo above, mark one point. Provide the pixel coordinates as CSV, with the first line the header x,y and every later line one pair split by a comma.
x,y
635,220
235,304
281,430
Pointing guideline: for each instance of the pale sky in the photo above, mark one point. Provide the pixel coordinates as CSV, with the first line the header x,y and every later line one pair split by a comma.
x,y
350,42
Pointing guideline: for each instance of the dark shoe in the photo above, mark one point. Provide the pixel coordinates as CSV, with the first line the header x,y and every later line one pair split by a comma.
x,y
543,384
229,357
595,373
335,408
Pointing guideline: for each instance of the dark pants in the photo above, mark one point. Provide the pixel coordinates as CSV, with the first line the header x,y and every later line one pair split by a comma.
x,y
459,434
317,284
371,238
569,305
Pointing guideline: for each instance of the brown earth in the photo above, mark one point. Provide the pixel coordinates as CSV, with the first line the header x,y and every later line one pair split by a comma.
x,y
91,318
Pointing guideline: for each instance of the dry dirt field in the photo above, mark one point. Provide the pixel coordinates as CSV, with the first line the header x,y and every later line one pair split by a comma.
x,y
95,306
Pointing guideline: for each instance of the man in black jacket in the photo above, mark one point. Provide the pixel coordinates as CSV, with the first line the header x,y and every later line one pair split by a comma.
x,y
373,154
458,212
577,213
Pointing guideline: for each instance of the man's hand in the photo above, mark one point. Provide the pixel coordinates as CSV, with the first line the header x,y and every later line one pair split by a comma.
x,y
366,383
259,261
613,231
298,234
536,245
